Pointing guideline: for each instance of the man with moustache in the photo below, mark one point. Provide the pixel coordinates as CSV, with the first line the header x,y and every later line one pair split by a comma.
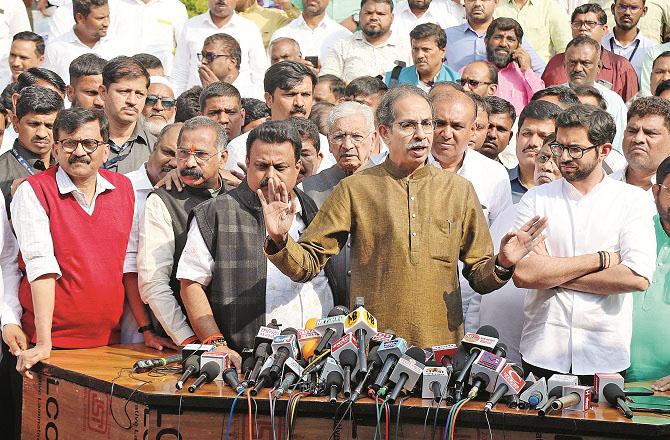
x,y
160,105
499,132
516,80
480,77
582,274
430,218
26,51
221,103
371,51
85,81
228,287
201,151
481,122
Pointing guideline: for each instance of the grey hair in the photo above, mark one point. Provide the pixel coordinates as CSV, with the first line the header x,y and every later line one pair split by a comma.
x,y
204,121
352,108
167,128
386,112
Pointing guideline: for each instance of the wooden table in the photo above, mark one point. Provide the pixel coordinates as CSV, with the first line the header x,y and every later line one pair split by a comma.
x,y
71,397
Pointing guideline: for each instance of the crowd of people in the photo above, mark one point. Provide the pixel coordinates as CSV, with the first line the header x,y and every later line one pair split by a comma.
x,y
454,163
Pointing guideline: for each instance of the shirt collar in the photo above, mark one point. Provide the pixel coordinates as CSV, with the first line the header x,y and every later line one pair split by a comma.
x,y
139,132
468,29
207,18
140,178
66,186
392,40
30,157
322,24
71,37
396,172
573,194
610,37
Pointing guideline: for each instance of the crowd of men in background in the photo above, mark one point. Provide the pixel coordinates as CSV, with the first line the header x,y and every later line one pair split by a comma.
x,y
167,180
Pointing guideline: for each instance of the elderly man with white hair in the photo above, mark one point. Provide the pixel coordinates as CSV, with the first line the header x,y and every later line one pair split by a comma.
x,y
352,137
160,106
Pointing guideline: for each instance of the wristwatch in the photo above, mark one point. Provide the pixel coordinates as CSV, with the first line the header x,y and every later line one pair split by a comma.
x,y
503,272
145,328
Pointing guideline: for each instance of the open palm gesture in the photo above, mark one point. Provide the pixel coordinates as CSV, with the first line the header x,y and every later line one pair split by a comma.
x,y
516,245
278,210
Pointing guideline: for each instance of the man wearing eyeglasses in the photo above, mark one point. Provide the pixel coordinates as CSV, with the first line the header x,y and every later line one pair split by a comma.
x,y
626,39
616,72
72,295
160,105
404,246
201,150
480,77
599,248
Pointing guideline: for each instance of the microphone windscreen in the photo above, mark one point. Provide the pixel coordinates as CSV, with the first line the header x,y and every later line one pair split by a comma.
x,y
459,359
348,358
612,392
487,330
501,349
518,369
334,378
289,331
556,392
417,354
337,311
212,369
248,364
373,356
311,323
192,361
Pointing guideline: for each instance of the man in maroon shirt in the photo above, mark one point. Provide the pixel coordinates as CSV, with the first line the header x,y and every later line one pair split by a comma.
x,y
591,20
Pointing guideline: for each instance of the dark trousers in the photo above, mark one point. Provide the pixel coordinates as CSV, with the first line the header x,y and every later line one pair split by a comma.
x,y
542,372
11,389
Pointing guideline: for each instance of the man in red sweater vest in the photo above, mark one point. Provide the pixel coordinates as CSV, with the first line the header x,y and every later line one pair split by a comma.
x,y
73,222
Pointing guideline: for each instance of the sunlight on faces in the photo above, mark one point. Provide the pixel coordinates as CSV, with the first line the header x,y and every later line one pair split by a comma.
x,y
162,160
575,170
271,161
294,102
581,65
79,164
587,28
96,24
193,172
480,10
284,50
454,125
546,169
481,127
124,100
530,139
659,73
35,132
221,8
427,56
221,66
646,142
22,56
476,79
350,155
227,111
498,134
84,92
375,19
157,112
500,46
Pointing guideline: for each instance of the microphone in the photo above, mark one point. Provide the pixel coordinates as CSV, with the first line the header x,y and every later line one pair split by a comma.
x,y
308,340
191,368
442,354
231,379
283,347
485,371
248,365
535,394
364,326
554,394
144,365
262,348
575,398
374,361
334,381
407,372
435,381
381,337
207,374
293,370
348,360
389,353
486,338
264,376
600,380
616,397
330,328
510,382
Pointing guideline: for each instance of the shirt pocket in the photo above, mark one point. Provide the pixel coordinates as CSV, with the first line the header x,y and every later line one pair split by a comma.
x,y
441,236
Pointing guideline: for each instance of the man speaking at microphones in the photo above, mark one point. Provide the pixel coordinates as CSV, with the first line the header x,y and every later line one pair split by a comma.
x,y
409,225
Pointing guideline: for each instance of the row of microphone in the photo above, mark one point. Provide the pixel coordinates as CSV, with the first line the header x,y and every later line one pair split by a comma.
x,y
344,353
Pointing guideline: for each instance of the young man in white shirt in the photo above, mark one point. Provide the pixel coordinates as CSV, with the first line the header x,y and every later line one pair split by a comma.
x,y
599,247
626,39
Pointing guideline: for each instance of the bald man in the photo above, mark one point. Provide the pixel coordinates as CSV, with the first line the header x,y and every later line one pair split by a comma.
x,y
284,49
480,77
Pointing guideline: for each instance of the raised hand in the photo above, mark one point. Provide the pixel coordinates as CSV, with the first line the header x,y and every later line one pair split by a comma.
x,y
278,210
516,245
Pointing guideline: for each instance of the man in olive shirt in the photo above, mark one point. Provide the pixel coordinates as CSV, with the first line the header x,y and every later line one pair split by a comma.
x,y
410,223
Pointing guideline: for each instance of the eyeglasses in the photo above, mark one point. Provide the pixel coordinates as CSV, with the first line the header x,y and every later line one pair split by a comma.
x,y
356,138
574,151
89,145
473,83
211,56
408,128
200,156
581,24
624,8
165,102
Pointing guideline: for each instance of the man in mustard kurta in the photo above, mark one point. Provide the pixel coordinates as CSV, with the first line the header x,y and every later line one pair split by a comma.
x,y
409,223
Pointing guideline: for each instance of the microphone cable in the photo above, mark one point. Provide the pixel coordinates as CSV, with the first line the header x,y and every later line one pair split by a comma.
x,y
125,406
397,417
230,416
450,427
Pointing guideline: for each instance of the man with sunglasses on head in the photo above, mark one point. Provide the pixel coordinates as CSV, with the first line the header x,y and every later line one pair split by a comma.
x,y
599,248
160,106
72,293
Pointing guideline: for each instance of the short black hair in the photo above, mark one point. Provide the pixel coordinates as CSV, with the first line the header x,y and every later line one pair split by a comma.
x,y
6,96
230,44
285,75
505,24
31,76
123,67
335,84
307,130
72,119
564,94
84,7
148,61
216,90
254,109
319,115
540,110
365,86
480,103
651,106
276,132
598,123
188,104
662,87
388,2
38,100
426,30
88,64
663,170
590,7
499,106
31,36
584,40
592,92
665,54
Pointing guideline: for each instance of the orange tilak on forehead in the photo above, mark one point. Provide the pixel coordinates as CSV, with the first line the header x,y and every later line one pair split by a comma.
x,y
192,149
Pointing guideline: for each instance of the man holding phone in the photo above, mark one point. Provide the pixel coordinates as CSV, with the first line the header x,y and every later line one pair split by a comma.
x,y
516,80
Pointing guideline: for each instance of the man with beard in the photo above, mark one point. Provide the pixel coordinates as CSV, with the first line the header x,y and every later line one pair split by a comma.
x,y
229,288
219,18
221,103
516,80
480,77
501,120
646,142
408,14
616,72
85,81
89,35
626,39
201,151
314,31
221,58
371,51
160,105
288,93
124,91
536,123
428,42
582,274
136,324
